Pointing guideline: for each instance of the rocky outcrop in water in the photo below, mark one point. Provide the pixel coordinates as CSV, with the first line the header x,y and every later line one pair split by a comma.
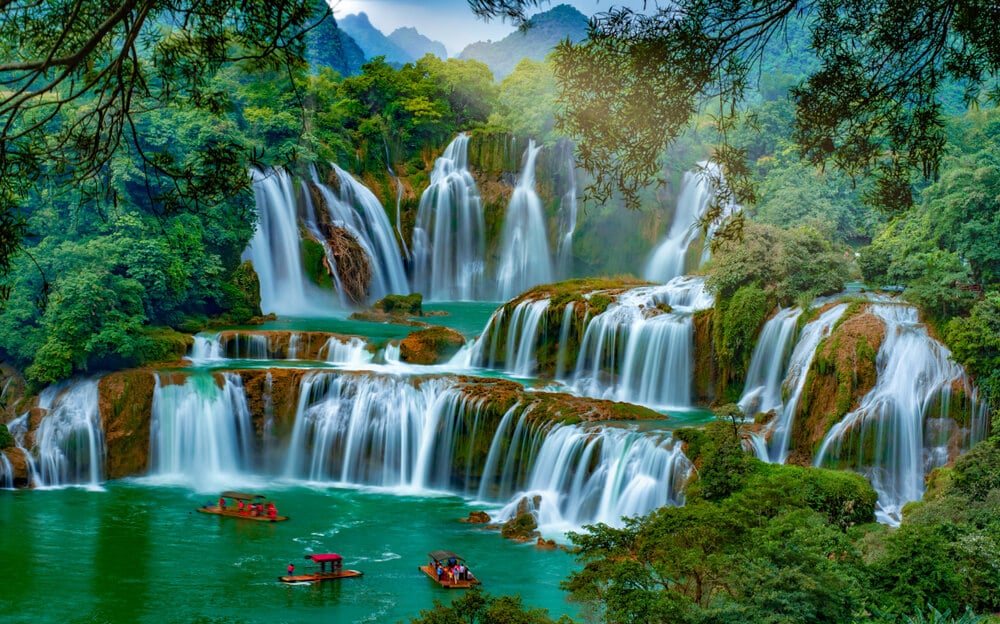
x,y
433,345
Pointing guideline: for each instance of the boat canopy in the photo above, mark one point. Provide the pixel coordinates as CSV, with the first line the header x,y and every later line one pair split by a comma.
x,y
242,495
443,555
322,558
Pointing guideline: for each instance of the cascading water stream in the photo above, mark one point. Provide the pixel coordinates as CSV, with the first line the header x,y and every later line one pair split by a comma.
x,y
635,473
200,433
449,235
780,429
636,352
358,210
672,257
762,390
275,250
524,246
384,431
69,442
6,473
567,216
522,332
893,437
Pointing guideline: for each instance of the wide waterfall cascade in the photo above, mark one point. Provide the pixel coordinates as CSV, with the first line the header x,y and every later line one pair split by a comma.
x,y
200,434
449,240
780,429
524,245
522,331
69,442
360,212
275,250
213,349
901,429
385,431
636,352
670,259
762,390
588,474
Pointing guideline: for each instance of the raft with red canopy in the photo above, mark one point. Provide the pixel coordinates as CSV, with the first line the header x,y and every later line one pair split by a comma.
x,y
321,572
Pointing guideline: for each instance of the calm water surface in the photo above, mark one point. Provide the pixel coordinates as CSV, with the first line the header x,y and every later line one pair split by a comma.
x,y
138,552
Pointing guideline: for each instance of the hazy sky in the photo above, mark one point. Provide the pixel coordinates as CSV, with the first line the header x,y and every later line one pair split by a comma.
x,y
451,21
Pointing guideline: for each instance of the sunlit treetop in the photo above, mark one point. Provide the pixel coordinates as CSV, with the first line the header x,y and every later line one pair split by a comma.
x,y
872,108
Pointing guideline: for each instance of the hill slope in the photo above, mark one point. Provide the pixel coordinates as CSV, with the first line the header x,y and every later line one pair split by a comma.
x,y
544,31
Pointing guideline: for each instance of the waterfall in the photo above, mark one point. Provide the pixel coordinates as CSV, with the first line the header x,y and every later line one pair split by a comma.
x,y
386,431
567,221
635,351
356,209
200,432
762,390
449,235
373,430
672,256
69,442
522,332
896,435
524,247
795,380
6,473
350,351
18,429
275,250
584,474
564,329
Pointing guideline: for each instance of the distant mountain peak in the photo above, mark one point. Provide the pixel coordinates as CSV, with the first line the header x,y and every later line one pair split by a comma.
x,y
543,32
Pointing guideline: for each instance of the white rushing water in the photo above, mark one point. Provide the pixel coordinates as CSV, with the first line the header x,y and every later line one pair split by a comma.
x,y
69,443
779,430
893,437
449,243
762,389
523,329
524,245
675,255
201,433
636,352
275,250
567,217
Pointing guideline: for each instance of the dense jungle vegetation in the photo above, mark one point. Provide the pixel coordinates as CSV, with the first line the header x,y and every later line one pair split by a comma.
x,y
115,247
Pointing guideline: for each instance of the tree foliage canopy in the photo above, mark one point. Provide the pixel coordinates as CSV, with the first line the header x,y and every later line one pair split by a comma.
x,y
77,78
871,107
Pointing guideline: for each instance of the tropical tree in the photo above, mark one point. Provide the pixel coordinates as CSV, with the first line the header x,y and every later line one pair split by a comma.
x,y
77,77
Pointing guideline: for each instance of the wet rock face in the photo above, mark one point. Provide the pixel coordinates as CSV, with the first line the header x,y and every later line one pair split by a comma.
x,y
125,400
433,345
523,526
842,372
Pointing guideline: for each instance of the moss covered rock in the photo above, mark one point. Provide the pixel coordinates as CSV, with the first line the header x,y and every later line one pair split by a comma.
x,y
430,346
403,305
842,372
125,401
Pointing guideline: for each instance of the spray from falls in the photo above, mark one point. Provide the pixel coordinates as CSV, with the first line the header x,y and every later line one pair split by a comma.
x,y
524,246
356,209
449,235
567,220
275,250
903,427
386,431
523,330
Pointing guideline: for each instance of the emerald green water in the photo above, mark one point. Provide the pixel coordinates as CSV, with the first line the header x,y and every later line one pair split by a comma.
x,y
139,552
